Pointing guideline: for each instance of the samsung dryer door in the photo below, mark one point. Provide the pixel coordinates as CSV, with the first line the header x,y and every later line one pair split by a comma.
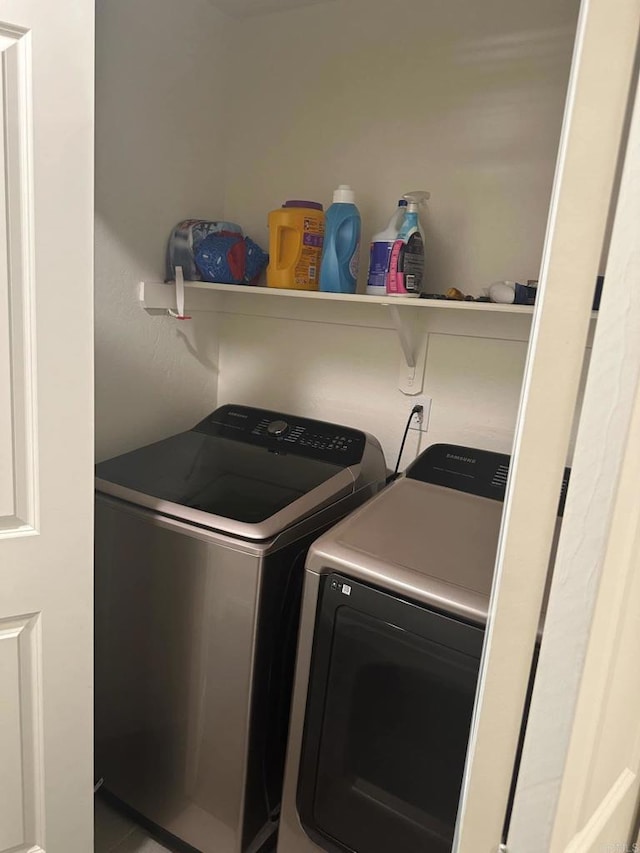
x,y
388,716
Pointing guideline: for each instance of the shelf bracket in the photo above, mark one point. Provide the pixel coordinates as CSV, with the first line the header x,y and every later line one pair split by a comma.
x,y
179,313
412,366
404,336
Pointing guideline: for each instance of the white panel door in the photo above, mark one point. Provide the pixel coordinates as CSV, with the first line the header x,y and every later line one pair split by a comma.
x,y
580,775
46,425
594,122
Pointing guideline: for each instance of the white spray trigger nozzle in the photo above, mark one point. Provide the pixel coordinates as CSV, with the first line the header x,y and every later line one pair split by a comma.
x,y
418,197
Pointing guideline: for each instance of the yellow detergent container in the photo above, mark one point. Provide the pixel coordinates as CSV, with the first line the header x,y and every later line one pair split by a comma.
x,y
296,233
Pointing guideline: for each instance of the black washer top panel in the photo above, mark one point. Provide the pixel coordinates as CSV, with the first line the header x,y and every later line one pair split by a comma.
x,y
284,433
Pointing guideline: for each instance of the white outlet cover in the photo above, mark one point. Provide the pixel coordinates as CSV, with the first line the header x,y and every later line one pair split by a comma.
x,y
425,402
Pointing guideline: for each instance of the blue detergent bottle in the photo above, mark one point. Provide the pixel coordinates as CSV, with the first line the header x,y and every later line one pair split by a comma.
x,y
341,252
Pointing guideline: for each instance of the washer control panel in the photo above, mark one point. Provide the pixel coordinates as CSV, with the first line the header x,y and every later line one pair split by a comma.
x,y
285,433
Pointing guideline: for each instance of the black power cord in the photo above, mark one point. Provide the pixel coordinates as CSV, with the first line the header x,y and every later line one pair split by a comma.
x,y
417,410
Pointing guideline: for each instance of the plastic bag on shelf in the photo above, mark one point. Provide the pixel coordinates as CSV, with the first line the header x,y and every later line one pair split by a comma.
x,y
184,241
230,259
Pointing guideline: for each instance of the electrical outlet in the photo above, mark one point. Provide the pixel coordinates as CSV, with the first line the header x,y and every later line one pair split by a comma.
x,y
421,423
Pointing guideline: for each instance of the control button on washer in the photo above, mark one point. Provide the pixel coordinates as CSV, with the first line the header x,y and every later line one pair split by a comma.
x,y
277,427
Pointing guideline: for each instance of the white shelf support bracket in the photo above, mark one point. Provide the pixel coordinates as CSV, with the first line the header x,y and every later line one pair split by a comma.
x,y
404,336
179,313
414,355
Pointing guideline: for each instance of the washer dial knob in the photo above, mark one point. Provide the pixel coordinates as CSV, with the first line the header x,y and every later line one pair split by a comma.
x,y
277,428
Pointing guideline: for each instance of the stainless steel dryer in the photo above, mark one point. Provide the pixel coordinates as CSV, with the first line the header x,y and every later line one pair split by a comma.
x,y
200,546
394,609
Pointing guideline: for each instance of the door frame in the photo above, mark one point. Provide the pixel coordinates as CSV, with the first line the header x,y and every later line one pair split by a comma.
x,y
592,595
592,135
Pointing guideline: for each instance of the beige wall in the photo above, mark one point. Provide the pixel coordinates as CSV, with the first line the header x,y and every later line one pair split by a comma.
x,y
159,158
463,99
459,98
349,374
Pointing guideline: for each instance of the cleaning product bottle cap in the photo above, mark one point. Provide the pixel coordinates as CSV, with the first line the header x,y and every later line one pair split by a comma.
x,y
402,202
344,195
310,205
417,198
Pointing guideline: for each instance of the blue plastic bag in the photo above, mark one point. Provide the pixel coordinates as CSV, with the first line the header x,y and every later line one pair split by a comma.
x,y
184,241
230,259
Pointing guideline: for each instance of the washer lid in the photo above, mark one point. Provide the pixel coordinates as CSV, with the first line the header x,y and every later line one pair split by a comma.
x,y
239,471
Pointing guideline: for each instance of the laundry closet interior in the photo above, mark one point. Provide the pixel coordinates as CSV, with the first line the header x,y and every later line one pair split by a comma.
x,y
222,115
224,109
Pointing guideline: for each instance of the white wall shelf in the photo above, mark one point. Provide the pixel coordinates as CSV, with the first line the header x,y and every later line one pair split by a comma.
x,y
412,319
160,296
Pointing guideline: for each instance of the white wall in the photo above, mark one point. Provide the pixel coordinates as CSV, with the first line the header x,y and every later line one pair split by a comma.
x,y
160,73
459,98
349,374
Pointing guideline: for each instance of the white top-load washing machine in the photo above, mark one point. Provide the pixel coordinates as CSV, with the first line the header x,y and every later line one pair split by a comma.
x,y
200,546
394,610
